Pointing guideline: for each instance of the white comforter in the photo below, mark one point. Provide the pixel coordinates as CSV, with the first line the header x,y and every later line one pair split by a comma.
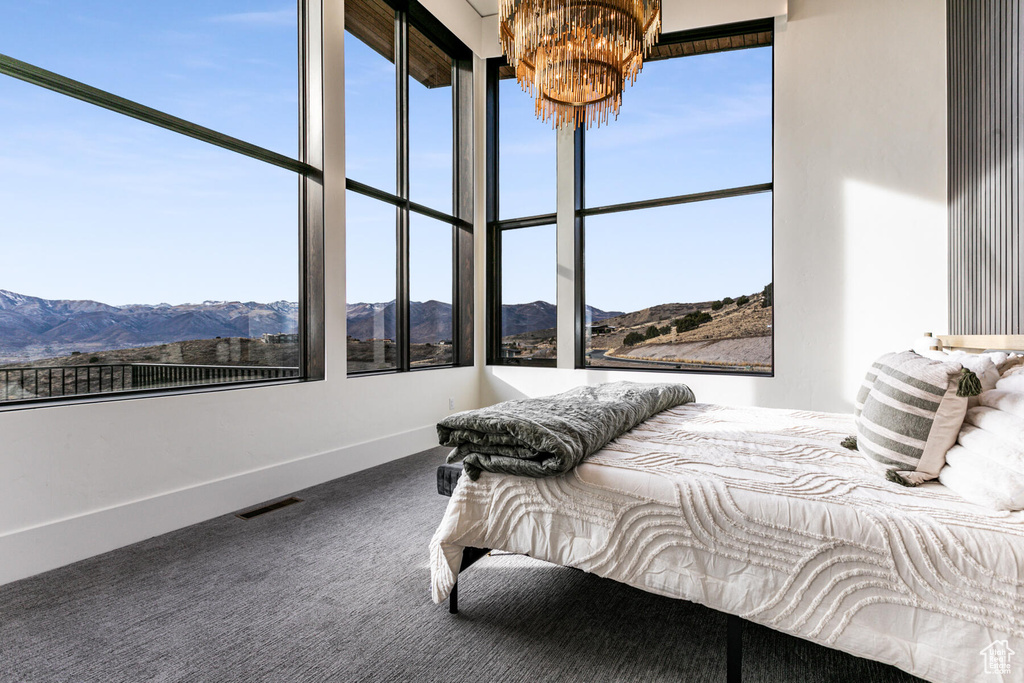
x,y
763,514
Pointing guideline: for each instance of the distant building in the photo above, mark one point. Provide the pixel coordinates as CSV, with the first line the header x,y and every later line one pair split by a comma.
x,y
280,339
517,350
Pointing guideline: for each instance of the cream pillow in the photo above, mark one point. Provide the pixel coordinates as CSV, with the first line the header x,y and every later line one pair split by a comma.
x,y
1012,379
912,415
987,465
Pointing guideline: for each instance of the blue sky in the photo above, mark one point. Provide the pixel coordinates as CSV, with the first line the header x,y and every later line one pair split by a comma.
x,y
94,205
688,125
370,158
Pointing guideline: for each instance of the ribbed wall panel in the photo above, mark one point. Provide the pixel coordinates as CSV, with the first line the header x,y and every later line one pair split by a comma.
x,y
986,150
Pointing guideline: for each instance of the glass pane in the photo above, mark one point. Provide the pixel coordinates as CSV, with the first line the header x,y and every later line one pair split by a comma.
x,y
526,155
370,107
135,257
528,293
693,283
225,66
371,262
430,123
689,124
430,291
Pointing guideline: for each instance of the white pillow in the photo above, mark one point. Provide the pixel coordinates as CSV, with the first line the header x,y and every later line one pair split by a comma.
x,y
981,364
979,480
1012,379
1012,361
1011,402
986,466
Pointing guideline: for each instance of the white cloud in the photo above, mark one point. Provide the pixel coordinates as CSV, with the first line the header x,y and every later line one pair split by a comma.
x,y
273,19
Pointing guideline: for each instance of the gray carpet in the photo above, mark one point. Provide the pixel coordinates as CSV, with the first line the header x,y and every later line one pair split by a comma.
x,y
336,589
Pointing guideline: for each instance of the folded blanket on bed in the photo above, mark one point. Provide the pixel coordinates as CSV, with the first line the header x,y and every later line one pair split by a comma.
x,y
1011,402
981,480
544,437
1007,454
998,423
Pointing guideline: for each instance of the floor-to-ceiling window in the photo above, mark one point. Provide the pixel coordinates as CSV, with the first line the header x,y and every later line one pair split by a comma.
x,y
409,208
160,197
521,225
674,211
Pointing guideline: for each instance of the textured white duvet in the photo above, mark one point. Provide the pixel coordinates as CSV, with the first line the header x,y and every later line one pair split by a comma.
x,y
763,514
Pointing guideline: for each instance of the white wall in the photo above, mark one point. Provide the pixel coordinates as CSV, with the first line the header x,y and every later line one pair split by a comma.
x,y
681,15
76,480
860,196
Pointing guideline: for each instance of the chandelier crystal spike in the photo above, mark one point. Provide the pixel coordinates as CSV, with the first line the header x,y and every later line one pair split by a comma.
x,y
576,56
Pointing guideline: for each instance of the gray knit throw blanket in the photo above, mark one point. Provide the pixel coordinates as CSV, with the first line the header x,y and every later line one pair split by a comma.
x,y
545,437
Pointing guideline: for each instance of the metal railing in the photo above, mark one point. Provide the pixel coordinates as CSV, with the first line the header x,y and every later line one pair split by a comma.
x,y
20,384
159,375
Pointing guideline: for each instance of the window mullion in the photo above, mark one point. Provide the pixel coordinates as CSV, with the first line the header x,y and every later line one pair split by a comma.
x,y
402,326
456,327
579,228
493,265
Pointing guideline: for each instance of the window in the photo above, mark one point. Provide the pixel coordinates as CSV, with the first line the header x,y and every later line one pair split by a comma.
x,y
521,226
409,235
675,248
156,237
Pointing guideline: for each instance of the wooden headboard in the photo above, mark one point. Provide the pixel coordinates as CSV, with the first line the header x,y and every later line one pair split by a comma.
x,y
976,343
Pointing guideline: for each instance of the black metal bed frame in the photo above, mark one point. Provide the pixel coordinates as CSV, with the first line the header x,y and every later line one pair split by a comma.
x,y
733,629
734,624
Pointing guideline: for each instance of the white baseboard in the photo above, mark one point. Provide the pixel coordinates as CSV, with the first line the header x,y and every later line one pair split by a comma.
x,y
34,550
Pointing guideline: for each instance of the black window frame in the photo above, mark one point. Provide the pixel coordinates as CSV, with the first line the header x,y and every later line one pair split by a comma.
x,y
308,166
409,13
496,226
674,42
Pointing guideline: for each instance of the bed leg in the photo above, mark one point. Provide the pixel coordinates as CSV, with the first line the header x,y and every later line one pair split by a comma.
x,y
734,649
453,599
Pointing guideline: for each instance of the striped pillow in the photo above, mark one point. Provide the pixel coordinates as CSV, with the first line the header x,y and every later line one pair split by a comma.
x,y
911,416
869,382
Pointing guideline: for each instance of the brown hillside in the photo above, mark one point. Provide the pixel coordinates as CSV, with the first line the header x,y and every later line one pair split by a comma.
x,y
227,351
732,322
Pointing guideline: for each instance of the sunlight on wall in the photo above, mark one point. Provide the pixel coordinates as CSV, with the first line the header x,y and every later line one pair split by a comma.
x,y
895,253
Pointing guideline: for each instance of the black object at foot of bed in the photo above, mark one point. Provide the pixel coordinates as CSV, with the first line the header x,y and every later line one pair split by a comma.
x,y
448,478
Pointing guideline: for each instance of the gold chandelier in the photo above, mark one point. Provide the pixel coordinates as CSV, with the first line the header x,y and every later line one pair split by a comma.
x,y
575,56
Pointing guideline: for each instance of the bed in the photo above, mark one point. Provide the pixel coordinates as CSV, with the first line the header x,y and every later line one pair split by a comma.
x,y
760,513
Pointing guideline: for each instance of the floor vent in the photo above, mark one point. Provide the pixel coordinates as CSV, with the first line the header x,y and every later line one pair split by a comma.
x,y
268,508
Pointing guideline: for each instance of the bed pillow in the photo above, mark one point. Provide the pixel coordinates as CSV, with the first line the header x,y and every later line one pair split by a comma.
x,y
979,480
1012,379
869,382
1005,360
984,366
987,465
912,415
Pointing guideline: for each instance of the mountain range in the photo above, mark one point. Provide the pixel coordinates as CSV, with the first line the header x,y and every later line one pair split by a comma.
x,y
32,327
430,321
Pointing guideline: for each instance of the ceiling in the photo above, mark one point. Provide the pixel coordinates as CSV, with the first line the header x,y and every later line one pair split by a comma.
x,y
484,7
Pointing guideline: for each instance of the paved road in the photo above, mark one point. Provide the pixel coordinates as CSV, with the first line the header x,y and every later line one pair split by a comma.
x,y
599,355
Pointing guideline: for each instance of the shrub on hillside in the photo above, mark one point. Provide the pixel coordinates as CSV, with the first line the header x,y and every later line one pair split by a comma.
x,y
743,301
727,300
769,296
651,332
665,330
692,321
717,306
633,338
